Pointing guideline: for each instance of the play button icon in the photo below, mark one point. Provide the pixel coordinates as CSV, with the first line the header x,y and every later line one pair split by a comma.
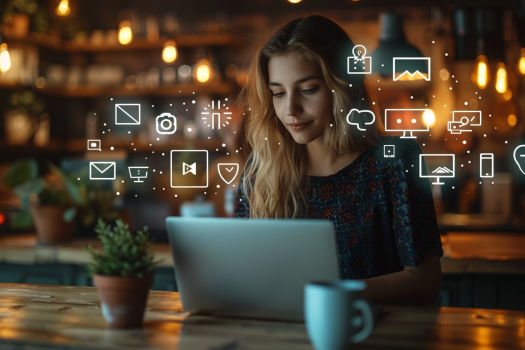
x,y
519,157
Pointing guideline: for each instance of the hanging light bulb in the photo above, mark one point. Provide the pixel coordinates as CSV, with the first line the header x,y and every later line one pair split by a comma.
x,y
169,53
125,35
521,62
63,8
501,78
203,72
480,74
5,59
294,1
429,117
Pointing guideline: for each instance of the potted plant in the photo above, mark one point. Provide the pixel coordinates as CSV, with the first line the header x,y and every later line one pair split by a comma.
x,y
21,120
123,273
50,202
19,14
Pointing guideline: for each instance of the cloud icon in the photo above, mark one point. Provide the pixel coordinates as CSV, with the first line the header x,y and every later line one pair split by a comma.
x,y
360,118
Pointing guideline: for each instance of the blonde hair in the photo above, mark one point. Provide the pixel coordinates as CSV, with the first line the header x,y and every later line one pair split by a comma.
x,y
276,175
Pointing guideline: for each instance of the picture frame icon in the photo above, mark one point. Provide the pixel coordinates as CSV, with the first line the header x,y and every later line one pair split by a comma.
x,y
127,114
411,68
102,170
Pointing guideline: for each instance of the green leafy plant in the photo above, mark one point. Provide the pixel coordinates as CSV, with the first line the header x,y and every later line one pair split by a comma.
x,y
55,189
123,253
27,102
39,20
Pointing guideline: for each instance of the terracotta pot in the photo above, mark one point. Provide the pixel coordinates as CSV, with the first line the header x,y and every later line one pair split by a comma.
x,y
123,299
50,225
18,25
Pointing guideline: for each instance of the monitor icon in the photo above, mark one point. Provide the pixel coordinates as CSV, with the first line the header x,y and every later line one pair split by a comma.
x,y
440,165
138,172
407,121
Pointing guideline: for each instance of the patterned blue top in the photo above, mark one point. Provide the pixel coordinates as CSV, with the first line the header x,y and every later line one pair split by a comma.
x,y
383,212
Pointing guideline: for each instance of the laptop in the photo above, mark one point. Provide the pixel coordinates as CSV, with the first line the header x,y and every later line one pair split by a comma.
x,y
250,268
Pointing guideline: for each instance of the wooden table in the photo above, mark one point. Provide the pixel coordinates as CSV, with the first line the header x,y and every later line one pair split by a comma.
x,y
56,317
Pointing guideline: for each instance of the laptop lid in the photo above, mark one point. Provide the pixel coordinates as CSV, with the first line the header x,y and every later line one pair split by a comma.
x,y
248,267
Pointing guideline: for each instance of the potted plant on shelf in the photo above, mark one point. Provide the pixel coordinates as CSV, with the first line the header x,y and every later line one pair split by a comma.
x,y
50,202
20,14
123,272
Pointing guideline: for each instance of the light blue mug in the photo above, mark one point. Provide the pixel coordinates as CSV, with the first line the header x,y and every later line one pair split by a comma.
x,y
336,316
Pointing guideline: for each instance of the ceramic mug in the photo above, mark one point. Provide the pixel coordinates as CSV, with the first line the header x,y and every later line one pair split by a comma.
x,y
336,316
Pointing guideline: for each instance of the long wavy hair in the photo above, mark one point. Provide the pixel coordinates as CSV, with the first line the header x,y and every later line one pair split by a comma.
x,y
276,175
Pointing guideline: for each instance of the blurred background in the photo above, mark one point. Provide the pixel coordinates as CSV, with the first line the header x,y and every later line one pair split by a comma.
x,y
66,63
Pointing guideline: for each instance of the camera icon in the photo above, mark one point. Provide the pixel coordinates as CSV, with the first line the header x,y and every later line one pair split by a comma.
x,y
166,124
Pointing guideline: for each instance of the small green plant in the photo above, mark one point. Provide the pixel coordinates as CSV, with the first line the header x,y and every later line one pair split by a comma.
x,y
123,253
39,20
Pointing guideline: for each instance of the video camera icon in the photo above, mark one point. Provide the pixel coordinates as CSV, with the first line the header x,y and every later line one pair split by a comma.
x,y
189,168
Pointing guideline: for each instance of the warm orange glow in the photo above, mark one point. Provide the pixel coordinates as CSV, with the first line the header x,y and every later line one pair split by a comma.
x,y
169,53
512,120
294,1
408,77
480,74
501,78
203,72
521,62
125,35
429,118
5,59
507,95
2,218
63,8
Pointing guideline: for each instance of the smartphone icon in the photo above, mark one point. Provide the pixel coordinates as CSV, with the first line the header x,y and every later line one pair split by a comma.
x,y
486,165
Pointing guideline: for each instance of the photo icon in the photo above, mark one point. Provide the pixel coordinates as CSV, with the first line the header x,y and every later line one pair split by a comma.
x,y
166,124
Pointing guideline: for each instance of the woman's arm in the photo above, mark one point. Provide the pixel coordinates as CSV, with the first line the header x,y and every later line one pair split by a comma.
x,y
414,285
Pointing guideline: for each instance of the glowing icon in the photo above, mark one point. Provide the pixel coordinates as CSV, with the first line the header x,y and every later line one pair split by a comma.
x,y
407,121
360,118
138,172
389,151
166,124
216,116
94,145
463,120
411,68
359,63
519,157
443,165
102,170
127,114
226,171
486,165
189,168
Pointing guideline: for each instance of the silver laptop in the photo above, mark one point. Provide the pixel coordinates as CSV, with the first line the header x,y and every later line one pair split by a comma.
x,y
250,268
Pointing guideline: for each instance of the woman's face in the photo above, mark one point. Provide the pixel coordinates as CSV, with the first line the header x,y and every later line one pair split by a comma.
x,y
301,97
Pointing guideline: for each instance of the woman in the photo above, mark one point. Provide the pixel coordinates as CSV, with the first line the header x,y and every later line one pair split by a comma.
x,y
307,161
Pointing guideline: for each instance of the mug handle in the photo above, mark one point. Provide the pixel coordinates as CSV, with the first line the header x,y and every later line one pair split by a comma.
x,y
368,320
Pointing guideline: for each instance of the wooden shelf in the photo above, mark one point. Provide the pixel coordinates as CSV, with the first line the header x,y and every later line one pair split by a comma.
x,y
187,40
219,88
121,143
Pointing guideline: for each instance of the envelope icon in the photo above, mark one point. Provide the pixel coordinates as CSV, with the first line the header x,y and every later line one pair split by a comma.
x,y
102,170
127,114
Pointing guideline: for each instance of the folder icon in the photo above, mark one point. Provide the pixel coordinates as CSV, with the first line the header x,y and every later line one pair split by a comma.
x,y
127,114
102,170
411,68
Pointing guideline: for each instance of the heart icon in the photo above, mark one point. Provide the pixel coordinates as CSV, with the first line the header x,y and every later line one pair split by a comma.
x,y
519,157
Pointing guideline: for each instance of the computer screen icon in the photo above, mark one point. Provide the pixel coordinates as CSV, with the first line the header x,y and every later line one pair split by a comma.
x,y
407,121
138,172
438,166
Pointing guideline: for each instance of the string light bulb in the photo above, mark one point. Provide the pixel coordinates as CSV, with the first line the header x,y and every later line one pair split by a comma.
x,y
125,35
169,53
203,71
63,8
501,78
5,59
521,62
294,1
480,74
429,117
